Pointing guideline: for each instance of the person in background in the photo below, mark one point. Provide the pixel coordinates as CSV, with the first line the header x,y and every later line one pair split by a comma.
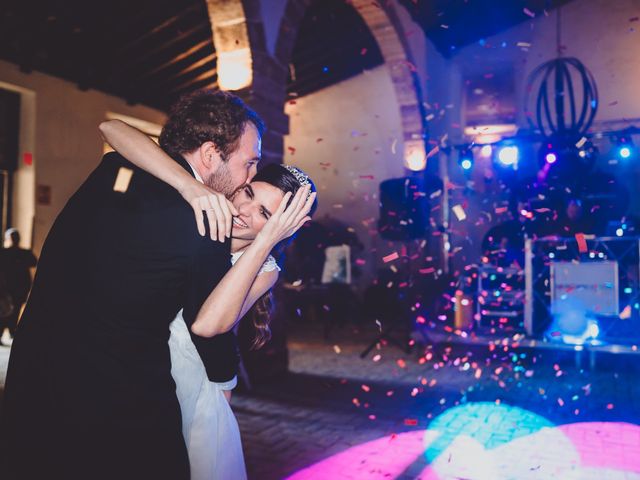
x,y
17,264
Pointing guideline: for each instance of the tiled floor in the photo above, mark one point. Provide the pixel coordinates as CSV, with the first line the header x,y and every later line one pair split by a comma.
x,y
468,413
509,417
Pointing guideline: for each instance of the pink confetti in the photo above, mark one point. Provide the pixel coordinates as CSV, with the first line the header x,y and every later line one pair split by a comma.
x,y
391,257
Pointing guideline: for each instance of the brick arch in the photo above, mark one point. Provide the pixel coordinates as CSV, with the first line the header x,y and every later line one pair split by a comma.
x,y
268,92
385,26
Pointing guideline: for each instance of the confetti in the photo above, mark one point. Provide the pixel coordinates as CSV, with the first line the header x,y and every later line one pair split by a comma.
x,y
459,212
391,257
433,151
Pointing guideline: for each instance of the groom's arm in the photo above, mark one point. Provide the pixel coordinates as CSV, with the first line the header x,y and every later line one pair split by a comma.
x,y
219,354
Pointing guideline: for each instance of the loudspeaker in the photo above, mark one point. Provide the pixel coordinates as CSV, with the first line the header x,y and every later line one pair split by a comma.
x,y
9,129
404,209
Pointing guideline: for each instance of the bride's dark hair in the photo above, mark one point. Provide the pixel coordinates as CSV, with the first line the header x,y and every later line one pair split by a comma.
x,y
286,179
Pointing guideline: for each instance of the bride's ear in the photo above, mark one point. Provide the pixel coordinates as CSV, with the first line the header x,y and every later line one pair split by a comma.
x,y
209,156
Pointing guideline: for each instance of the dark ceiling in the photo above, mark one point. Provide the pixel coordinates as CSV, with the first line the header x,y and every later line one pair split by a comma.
x,y
146,51
333,44
152,51
451,24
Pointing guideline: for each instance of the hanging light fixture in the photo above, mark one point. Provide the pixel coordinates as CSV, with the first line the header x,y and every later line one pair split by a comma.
x,y
562,98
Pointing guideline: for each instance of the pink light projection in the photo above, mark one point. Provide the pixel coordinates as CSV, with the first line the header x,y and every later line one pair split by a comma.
x,y
484,441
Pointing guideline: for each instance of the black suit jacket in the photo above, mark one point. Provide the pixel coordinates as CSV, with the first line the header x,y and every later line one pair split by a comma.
x,y
89,371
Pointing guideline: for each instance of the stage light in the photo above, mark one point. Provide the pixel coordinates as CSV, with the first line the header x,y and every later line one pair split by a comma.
x,y
624,148
550,158
624,152
486,151
573,324
619,232
508,156
465,159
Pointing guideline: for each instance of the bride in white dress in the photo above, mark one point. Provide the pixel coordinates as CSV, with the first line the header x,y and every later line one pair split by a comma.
x,y
270,209
209,426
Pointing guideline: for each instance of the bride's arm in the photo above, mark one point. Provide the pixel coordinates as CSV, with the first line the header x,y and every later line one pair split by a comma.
x,y
143,152
242,286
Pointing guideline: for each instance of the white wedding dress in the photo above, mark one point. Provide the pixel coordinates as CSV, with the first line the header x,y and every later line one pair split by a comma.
x,y
209,426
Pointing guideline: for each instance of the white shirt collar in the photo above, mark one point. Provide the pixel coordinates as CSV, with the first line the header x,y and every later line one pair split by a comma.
x,y
196,174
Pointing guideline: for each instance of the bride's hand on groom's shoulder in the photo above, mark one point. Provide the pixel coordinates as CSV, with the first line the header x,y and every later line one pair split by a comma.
x,y
219,210
287,220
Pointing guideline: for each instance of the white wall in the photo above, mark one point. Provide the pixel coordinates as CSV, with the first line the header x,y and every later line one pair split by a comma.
x,y
359,123
59,126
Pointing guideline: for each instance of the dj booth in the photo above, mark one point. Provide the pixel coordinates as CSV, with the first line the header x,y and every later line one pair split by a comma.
x,y
582,289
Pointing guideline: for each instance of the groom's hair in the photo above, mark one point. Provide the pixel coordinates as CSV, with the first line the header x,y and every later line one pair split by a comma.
x,y
208,116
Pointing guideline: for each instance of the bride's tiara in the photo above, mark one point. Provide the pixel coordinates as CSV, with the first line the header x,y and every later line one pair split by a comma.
x,y
303,178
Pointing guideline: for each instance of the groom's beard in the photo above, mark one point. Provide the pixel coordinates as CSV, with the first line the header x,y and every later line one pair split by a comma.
x,y
221,180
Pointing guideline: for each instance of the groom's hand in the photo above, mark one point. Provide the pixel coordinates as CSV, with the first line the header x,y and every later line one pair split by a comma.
x,y
218,209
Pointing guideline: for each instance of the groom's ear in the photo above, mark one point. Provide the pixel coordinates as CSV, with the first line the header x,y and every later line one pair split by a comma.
x,y
210,156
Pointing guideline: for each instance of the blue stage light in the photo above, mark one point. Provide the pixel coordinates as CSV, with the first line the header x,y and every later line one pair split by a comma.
x,y
624,148
465,159
572,323
551,158
624,152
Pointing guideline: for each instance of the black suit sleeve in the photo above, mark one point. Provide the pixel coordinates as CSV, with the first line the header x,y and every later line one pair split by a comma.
x,y
219,354
209,261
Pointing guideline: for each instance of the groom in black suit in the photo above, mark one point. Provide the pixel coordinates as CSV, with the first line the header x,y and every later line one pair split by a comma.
x,y
122,258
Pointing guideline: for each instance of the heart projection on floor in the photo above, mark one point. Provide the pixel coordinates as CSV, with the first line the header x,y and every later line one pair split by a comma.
x,y
485,441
